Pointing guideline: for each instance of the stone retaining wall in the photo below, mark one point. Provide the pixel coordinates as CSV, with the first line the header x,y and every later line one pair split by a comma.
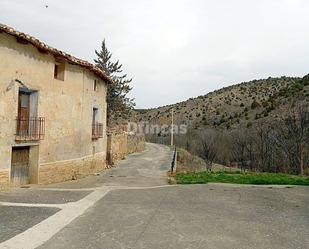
x,y
136,143
4,180
71,169
120,144
117,147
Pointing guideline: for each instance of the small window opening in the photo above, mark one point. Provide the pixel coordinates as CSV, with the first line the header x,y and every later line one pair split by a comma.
x,y
95,85
59,70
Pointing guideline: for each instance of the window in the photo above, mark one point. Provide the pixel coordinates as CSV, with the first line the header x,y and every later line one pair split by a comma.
x,y
97,128
29,127
59,70
95,113
24,102
95,85
56,71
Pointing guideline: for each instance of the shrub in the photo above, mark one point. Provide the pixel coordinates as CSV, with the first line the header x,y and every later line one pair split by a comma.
x,y
255,104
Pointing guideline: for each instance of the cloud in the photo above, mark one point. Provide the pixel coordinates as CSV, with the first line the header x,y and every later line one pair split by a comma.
x,y
175,49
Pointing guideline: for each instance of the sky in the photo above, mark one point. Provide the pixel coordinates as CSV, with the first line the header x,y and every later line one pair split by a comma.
x,y
175,49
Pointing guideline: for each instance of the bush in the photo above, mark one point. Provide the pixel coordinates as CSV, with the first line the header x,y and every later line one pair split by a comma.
x,y
265,114
255,104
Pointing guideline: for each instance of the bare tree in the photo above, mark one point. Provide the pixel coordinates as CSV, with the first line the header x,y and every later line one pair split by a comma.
x,y
265,146
208,150
270,145
239,149
292,136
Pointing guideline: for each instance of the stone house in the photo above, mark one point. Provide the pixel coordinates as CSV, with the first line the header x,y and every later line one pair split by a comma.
x,y
52,113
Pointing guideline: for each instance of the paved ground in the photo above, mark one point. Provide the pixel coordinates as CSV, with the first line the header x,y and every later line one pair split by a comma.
x,y
14,220
131,207
137,170
41,196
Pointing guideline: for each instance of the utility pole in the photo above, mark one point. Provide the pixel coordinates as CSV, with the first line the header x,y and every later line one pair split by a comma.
x,y
172,129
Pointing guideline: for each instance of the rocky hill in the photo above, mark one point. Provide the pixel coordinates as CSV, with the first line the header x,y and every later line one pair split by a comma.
x,y
234,106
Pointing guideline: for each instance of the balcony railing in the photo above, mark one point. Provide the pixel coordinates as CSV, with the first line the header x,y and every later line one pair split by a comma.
x,y
97,131
30,129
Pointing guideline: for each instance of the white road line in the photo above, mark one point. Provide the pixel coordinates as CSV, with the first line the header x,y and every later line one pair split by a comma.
x,y
62,205
151,187
98,188
16,204
42,232
66,189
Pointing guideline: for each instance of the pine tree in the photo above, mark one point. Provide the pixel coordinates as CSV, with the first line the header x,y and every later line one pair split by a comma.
x,y
118,103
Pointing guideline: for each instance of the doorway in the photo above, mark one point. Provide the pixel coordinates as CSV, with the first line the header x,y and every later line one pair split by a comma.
x,y
20,166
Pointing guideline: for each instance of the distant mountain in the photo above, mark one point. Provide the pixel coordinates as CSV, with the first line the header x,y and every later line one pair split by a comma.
x,y
239,105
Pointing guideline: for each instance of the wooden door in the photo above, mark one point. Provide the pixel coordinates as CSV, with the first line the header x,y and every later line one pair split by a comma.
x,y
23,113
20,166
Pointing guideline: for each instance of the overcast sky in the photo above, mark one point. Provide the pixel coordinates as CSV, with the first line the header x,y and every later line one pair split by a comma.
x,y
175,49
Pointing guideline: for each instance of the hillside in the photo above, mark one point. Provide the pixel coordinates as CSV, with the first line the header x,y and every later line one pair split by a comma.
x,y
230,107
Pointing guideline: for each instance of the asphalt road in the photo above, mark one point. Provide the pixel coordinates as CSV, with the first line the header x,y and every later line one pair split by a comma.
x,y
132,207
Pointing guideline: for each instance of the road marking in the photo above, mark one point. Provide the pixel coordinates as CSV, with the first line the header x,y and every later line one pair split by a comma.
x,y
150,187
16,204
67,189
42,232
98,188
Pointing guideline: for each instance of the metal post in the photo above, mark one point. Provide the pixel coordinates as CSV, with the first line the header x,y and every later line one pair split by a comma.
x,y
174,161
172,129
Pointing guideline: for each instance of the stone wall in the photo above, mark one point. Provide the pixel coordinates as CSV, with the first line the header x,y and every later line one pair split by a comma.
x,y
4,180
71,169
136,143
117,144
120,143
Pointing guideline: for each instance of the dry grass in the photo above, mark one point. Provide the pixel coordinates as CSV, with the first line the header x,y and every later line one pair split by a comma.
x,y
186,162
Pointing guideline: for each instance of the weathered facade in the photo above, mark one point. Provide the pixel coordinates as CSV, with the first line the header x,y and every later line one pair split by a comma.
x,y
52,113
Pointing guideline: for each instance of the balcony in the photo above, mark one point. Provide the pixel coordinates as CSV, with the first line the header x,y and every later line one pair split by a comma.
x,y
30,129
97,131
